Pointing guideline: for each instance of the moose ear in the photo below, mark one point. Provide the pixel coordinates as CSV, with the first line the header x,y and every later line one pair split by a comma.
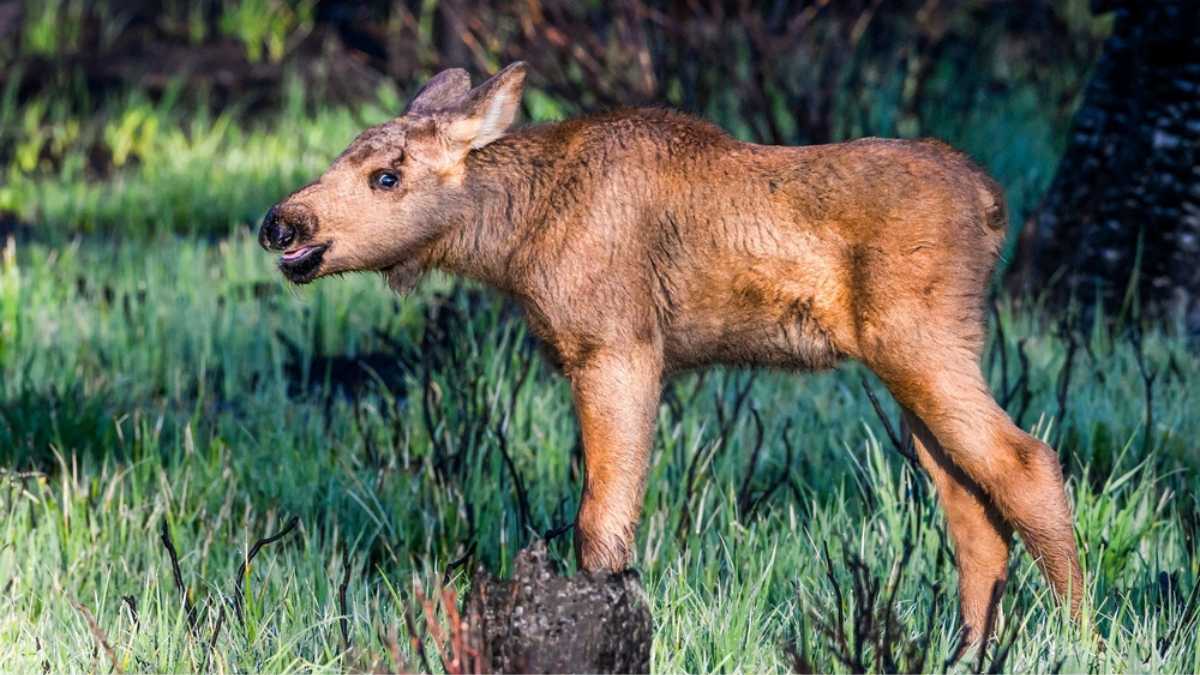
x,y
443,91
489,109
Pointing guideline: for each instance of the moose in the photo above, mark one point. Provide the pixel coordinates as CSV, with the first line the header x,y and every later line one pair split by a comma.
x,y
643,243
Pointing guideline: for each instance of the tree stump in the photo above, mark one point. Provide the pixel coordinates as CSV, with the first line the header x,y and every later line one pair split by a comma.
x,y
542,622
1123,212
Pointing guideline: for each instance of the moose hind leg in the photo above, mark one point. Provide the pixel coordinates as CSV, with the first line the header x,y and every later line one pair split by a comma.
x,y
981,536
1018,473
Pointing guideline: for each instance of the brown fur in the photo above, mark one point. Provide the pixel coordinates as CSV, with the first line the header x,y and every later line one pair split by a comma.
x,y
644,242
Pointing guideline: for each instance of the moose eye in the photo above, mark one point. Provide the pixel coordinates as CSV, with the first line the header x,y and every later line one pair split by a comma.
x,y
385,180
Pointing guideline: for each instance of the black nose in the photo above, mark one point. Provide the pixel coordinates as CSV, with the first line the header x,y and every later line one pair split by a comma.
x,y
275,234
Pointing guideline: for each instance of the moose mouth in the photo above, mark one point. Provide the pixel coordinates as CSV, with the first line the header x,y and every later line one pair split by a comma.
x,y
300,265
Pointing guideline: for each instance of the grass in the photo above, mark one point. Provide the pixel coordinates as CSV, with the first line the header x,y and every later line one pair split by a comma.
x,y
166,166
178,383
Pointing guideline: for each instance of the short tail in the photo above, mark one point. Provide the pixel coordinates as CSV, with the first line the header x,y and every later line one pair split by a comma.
x,y
991,197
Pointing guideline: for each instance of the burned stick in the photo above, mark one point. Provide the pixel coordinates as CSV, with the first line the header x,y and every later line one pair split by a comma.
x,y
212,642
238,593
724,423
724,427
502,436
1002,344
189,609
875,621
744,493
1148,377
900,446
131,603
417,644
1191,611
98,634
837,592
701,456
343,606
522,497
1064,376
455,564
783,475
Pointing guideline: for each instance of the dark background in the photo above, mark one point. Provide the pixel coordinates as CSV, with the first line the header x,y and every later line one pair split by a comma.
x,y
1003,80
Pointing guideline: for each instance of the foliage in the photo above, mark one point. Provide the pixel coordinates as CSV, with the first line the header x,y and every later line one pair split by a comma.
x,y
980,75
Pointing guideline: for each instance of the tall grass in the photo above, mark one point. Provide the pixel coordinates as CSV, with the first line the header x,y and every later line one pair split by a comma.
x,y
164,167
180,382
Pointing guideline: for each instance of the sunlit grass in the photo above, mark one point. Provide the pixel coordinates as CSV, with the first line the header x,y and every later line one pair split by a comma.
x,y
154,382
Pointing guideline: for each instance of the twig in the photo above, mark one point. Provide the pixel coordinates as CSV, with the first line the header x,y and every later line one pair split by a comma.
x,y
501,432
189,609
783,475
241,576
724,428
1023,382
1148,377
1064,376
556,532
875,622
522,496
212,642
100,637
1000,345
902,447
418,645
131,603
1191,611
455,564
744,493
343,606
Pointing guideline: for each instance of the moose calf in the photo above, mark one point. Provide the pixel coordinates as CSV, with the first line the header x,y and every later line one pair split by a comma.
x,y
642,243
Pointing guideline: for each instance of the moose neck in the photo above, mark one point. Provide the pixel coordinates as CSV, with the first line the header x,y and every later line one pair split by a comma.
x,y
502,190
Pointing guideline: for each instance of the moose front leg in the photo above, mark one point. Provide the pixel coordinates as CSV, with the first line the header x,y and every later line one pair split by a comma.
x,y
616,399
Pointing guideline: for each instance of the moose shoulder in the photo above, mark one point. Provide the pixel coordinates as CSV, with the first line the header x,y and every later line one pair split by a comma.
x,y
645,242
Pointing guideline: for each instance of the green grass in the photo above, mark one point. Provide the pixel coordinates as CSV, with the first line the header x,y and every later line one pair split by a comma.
x,y
151,383
167,167
155,370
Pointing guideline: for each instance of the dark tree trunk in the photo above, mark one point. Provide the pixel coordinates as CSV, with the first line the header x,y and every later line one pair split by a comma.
x,y
1129,177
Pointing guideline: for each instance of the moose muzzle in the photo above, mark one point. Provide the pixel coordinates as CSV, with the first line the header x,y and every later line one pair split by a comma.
x,y
290,228
286,225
